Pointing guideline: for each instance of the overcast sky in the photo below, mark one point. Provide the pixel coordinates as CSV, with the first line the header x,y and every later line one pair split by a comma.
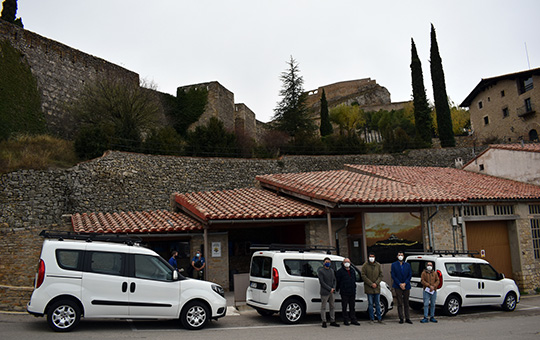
x,y
245,44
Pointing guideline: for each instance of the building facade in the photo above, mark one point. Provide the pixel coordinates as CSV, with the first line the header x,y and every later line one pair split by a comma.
x,y
504,108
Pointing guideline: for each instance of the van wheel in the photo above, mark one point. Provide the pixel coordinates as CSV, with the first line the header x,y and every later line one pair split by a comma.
x,y
384,307
452,305
510,302
194,315
63,315
292,311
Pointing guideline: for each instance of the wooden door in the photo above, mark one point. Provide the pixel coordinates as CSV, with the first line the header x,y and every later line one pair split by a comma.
x,y
492,237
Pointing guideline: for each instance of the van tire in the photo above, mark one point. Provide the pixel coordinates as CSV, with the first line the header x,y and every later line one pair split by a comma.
x,y
63,315
452,305
292,311
510,302
194,315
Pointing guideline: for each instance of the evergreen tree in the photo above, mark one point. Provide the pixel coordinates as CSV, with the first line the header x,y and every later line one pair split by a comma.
x,y
422,113
9,12
326,127
444,120
291,115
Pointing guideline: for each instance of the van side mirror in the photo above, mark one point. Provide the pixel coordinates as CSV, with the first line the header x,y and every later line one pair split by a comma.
x,y
175,275
501,276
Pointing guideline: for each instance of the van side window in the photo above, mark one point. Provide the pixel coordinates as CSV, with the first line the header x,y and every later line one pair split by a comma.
x,y
152,268
261,266
311,267
69,259
452,269
466,270
417,267
293,267
487,271
106,263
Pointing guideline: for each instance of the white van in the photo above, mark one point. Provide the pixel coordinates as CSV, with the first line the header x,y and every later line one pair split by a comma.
x,y
286,282
81,277
464,281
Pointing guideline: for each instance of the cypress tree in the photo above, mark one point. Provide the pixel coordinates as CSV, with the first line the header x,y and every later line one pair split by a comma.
x,y
422,113
444,119
326,127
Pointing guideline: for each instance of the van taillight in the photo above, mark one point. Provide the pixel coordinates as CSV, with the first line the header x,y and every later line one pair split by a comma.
x,y
440,279
275,278
41,273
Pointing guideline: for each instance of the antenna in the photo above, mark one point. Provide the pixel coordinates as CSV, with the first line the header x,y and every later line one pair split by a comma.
x,y
527,53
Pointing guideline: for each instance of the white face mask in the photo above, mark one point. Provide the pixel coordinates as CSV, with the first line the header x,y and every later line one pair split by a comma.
x,y
347,264
371,259
429,268
400,257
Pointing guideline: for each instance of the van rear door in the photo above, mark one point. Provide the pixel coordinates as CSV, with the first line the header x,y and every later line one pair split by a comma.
x,y
260,278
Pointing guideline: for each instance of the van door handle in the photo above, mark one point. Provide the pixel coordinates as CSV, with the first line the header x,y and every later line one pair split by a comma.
x,y
479,285
124,287
132,287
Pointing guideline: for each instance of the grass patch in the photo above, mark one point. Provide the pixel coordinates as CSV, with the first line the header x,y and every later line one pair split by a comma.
x,y
36,152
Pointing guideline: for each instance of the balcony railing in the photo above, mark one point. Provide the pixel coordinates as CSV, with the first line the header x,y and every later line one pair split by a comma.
x,y
526,110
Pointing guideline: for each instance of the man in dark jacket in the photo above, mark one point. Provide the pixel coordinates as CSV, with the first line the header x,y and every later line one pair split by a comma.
x,y
327,280
346,285
401,276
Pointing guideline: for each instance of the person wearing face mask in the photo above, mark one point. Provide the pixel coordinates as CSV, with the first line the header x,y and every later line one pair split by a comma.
x,y
346,286
327,280
372,276
401,276
430,281
198,263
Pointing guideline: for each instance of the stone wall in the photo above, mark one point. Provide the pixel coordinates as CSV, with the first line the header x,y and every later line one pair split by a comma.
x,y
244,121
61,73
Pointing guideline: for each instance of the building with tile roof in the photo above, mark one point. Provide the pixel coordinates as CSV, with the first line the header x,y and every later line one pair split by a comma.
x,y
520,162
358,209
505,107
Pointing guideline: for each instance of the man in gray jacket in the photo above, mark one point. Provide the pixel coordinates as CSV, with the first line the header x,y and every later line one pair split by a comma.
x,y
327,279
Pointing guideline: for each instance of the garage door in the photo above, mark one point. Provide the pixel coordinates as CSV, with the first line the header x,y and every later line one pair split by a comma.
x,y
492,237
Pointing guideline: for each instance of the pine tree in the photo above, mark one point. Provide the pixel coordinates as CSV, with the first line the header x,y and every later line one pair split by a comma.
x,y
326,127
291,115
422,113
9,12
444,120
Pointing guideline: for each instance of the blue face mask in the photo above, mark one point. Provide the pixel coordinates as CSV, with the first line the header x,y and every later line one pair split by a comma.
x,y
327,264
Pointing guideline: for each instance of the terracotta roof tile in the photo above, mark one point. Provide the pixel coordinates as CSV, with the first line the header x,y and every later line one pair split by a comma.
x,y
370,184
157,221
530,147
248,203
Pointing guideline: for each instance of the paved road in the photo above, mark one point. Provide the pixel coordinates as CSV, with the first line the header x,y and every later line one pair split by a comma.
x,y
478,323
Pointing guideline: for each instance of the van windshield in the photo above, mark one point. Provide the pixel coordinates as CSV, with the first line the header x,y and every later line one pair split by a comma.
x,y
261,266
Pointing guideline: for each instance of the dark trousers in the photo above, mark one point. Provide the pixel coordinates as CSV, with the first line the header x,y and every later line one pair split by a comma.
x,y
347,307
402,297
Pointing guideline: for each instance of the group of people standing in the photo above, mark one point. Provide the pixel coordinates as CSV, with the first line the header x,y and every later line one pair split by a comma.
x,y
344,282
196,269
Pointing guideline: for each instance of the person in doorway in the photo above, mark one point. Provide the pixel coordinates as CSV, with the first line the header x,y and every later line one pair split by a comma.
x,y
327,280
401,276
172,260
346,286
430,282
372,276
198,264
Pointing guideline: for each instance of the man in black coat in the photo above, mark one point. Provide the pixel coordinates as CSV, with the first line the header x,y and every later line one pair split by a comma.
x,y
346,285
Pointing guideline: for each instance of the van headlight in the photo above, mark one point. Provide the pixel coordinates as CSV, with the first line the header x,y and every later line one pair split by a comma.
x,y
218,289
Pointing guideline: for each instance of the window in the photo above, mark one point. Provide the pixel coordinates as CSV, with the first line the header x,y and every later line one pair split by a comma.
x,y
481,167
293,267
502,93
152,268
506,113
528,105
311,267
452,269
487,272
486,120
525,84
480,105
69,259
535,229
106,263
534,209
474,210
261,266
503,210
417,266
